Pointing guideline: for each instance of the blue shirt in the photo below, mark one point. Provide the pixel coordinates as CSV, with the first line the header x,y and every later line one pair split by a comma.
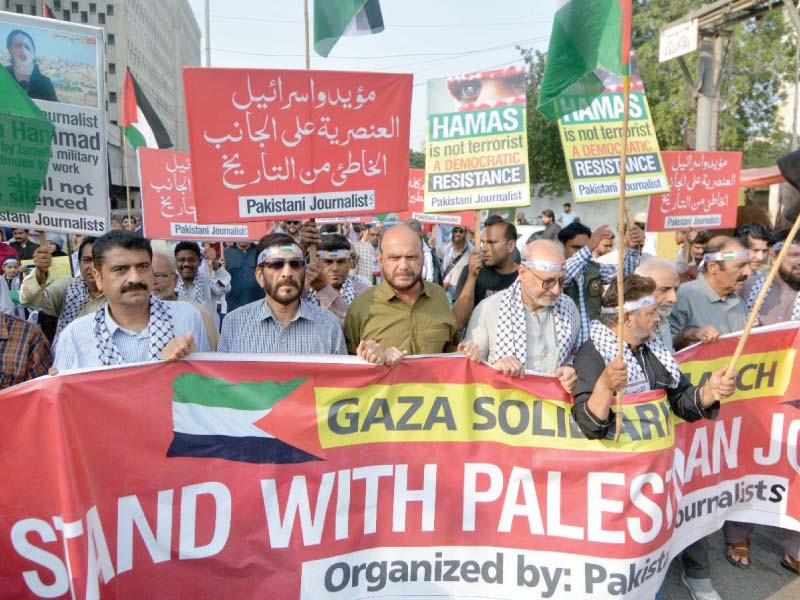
x,y
77,346
252,329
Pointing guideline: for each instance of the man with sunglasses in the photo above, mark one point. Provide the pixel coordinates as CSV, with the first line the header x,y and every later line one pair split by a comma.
x,y
283,323
454,256
330,283
531,325
292,229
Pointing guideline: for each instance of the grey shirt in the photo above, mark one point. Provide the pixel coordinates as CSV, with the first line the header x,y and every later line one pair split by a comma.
x,y
699,305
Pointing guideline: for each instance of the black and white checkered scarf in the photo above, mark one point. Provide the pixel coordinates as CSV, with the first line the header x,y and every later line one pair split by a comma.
x,y
199,292
347,292
756,290
76,298
605,342
511,330
160,333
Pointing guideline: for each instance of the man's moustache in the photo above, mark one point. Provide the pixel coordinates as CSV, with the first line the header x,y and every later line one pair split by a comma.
x,y
133,286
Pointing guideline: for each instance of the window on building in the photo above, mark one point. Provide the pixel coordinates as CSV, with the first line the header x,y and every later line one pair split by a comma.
x,y
114,122
84,17
101,18
112,97
110,10
18,8
75,7
92,7
110,39
65,15
56,3
112,68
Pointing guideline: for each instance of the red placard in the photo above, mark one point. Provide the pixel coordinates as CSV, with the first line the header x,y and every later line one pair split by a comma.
x,y
704,191
168,202
416,205
274,144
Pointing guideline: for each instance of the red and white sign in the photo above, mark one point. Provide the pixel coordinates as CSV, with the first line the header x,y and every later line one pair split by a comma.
x,y
704,191
273,144
416,205
168,202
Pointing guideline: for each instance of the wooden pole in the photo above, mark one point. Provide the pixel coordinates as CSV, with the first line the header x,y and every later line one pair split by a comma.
x,y
125,169
476,239
751,320
621,213
312,249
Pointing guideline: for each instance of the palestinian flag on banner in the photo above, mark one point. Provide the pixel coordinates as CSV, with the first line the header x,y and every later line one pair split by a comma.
x,y
140,122
214,418
335,18
590,42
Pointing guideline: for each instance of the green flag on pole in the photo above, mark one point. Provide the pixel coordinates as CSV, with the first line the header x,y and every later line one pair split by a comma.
x,y
586,47
25,136
335,18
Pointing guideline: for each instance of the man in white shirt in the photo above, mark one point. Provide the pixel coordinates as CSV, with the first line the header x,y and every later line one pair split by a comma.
x,y
195,285
133,326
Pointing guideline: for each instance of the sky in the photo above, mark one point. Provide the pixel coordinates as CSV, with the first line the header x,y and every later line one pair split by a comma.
x,y
429,38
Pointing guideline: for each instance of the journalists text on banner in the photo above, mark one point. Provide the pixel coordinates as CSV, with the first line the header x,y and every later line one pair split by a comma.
x,y
592,141
477,144
67,84
704,192
336,479
269,144
416,206
168,202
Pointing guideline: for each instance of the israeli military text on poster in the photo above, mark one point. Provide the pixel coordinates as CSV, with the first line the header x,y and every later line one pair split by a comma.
x,y
61,67
477,145
592,141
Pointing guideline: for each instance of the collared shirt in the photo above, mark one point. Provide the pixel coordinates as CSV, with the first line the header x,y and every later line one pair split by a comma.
x,y
77,345
367,260
452,272
575,269
331,299
253,329
699,305
25,250
207,290
24,351
50,297
427,327
542,353
665,333
242,268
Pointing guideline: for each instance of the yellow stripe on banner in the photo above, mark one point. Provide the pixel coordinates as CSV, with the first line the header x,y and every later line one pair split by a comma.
x,y
758,376
417,412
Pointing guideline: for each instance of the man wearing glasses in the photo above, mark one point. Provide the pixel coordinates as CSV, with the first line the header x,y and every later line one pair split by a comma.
x,y
531,325
283,323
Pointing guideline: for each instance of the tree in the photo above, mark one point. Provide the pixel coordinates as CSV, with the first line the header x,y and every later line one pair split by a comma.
x,y
416,160
760,61
545,154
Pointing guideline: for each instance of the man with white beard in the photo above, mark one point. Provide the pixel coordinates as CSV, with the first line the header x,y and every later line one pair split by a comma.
x,y
664,273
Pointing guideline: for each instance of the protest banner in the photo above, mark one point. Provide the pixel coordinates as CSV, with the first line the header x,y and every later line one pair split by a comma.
x,y
168,202
592,142
272,144
330,478
67,84
416,206
704,192
477,144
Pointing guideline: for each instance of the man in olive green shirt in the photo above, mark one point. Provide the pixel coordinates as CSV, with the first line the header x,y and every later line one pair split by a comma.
x,y
403,314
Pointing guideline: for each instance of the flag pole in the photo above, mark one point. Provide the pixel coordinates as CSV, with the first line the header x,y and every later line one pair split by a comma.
x,y
753,317
125,168
312,249
625,54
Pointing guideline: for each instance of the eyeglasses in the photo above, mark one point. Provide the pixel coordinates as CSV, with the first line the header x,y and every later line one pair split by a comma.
x,y
161,275
293,222
458,230
277,264
548,284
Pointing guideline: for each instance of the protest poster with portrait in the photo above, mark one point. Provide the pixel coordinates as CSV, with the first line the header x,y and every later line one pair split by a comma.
x,y
477,145
592,142
271,144
168,202
60,65
416,206
704,192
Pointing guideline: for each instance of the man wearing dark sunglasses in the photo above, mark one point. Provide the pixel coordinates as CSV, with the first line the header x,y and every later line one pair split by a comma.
x,y
531,325
283,323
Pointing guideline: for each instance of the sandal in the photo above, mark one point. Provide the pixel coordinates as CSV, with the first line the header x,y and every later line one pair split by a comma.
x,y
791,564
734,553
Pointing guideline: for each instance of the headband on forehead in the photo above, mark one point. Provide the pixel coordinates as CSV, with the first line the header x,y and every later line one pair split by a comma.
x,y
271,251
543,265
631,305
778,246
727,255
11,260
333,254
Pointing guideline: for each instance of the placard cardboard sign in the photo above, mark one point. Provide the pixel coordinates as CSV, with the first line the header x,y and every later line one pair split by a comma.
x,y
275,144
416,205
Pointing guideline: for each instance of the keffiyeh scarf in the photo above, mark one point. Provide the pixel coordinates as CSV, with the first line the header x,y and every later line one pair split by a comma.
x,y
76,298
511,330
605,342
756,290
347,292
198,292
160,333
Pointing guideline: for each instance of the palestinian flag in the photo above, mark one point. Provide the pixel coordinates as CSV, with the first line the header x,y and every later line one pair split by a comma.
x,y
590,43
140,122
214,418
335,18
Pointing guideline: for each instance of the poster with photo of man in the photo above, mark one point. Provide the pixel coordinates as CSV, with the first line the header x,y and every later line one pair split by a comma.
x,y
60,66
